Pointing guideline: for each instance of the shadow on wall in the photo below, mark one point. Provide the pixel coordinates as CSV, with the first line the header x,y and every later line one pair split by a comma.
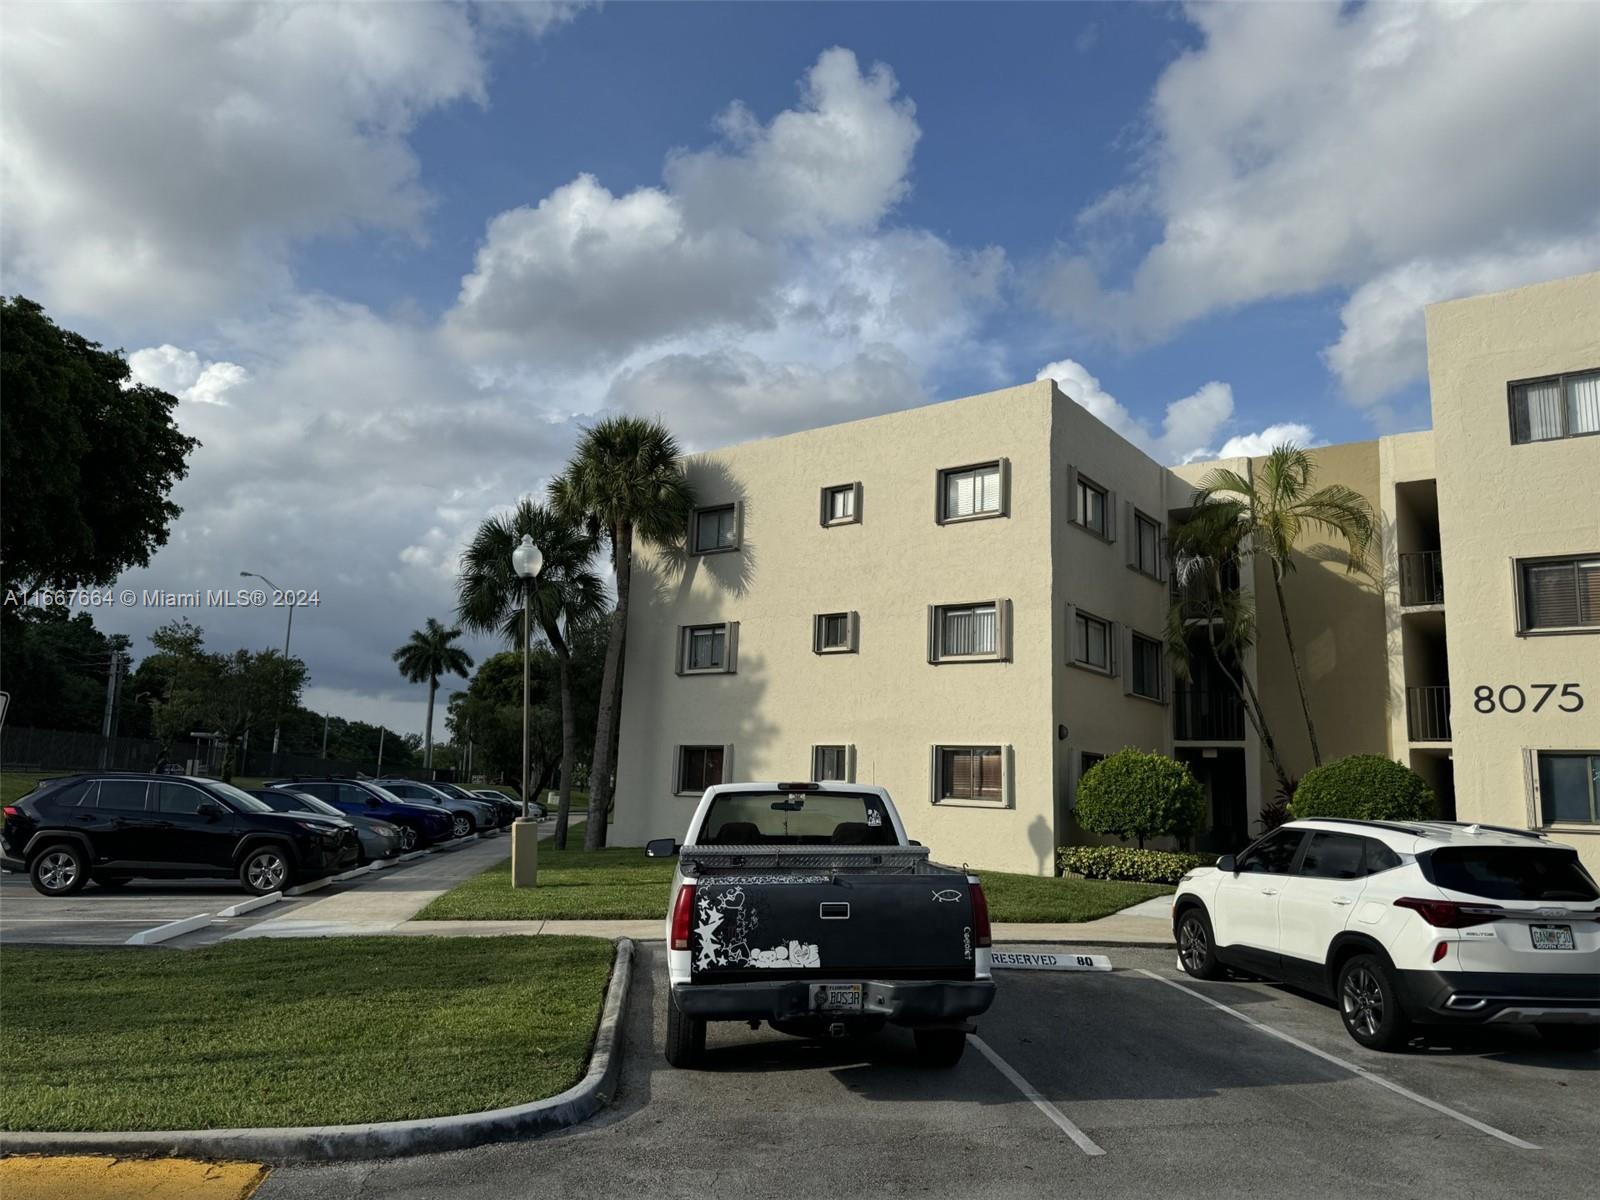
x,y
730,573
1042,841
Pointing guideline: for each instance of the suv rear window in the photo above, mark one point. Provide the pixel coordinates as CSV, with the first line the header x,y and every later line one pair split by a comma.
x,y
1513,873
796,819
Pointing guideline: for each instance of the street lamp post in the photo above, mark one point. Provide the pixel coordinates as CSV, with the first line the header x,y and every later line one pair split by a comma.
x,y
277,719
526,560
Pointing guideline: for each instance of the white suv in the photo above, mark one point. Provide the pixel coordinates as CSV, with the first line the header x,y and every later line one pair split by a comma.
x,y
1402,923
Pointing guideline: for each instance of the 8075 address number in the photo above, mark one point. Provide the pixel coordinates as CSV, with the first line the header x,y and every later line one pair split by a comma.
x,y
1513,698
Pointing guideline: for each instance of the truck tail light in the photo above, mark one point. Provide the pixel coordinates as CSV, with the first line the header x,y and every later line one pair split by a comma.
x,y
682,916
980,917
1451,914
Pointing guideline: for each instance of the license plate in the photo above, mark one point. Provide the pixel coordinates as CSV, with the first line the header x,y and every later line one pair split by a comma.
x,y
1552,937
839,997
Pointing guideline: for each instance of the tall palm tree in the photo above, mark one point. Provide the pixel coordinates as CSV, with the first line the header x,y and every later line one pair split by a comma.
x,y
426,656
490,595
625,480
1265,514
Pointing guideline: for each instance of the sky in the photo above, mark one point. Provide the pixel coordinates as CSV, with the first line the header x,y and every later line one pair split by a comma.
x,y
393,257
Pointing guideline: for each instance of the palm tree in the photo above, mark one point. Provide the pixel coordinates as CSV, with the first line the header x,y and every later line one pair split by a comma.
x,y
624,480
428,655
1266,515
490,595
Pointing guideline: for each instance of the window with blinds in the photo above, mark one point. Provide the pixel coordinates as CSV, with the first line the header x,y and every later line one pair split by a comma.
x,y
1561,406
1091,506
1145,667
1569,787
716,529
1147,545
699,767
968,630
970,773
1092,642
833,633
704,648
970,492
841,505
829,762
1560,593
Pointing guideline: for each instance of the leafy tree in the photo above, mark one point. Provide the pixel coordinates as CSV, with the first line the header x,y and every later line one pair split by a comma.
x,y
492,708
491,596
55,665
1367,787
625,480
88,460
429,654
1138,795
1265,514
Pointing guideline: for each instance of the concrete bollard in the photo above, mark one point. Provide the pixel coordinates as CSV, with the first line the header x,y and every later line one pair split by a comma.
x,y
524,853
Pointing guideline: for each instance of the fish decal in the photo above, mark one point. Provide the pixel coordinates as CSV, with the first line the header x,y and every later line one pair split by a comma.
x,y
947,896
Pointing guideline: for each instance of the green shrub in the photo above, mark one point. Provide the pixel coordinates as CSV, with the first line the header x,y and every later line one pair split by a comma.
x,y
1132,794
1123,862
1368,787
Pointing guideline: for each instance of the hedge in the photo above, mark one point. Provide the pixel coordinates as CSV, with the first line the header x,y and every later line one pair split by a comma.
x,y
1122,862
1367,787
1132,794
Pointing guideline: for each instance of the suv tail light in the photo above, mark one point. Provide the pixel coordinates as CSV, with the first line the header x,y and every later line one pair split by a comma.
x,y
1451,914
682,916
12,812
980,917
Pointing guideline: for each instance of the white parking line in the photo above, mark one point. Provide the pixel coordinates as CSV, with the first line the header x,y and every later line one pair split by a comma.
x,y
1353,1068
1055,1115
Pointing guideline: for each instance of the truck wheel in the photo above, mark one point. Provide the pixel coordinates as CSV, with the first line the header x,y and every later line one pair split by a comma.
x,y
686,1036
940,1047
1570,1037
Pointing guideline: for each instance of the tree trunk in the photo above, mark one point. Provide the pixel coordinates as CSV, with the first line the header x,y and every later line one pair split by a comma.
x,y
1294,660
594,830
427,738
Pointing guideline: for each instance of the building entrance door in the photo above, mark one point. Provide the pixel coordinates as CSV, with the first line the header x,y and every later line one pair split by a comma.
x,y
1220,772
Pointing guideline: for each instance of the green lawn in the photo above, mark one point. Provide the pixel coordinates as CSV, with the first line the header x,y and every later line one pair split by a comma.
x,y
294,1031
623,884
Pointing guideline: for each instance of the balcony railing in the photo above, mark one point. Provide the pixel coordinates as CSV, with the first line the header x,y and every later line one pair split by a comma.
x,y
1421,578
1428,713
1207,715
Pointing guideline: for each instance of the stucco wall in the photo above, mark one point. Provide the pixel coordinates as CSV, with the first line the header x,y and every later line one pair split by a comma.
x,y
1498,502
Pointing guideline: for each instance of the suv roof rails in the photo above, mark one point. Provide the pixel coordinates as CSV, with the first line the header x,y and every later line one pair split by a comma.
x,y
1514,832
1416,830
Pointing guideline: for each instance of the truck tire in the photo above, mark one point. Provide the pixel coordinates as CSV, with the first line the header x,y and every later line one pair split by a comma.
x,y
686,1036
940,1047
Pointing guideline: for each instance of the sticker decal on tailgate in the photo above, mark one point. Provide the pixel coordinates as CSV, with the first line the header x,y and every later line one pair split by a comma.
x,y
724,923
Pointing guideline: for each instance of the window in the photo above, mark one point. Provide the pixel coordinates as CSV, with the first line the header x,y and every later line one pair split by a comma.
x,y
1090,506
1144,660
795,819
180,798
1561,406
834,633
1569,788
699,767
1091,642
841,505
1087,759
969,492
1559,593
968,773
716,529
968,631
1335,856
1144,548
708,649
830,762
1533,873
125,794
1273,854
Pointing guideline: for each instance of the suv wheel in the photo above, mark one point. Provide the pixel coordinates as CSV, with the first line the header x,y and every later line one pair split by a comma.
x,y
265,869
59,870
461,827
1370,1004
1197,950
1570,1037
686,1035
940,1047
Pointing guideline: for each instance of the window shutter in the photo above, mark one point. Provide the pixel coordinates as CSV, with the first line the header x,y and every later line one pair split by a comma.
x,y
1074,651
816,633
1002,634
730,657
1125,655
683,648
1130,526
938,498
934,788
856,509
1530,787
822,508
855,632
1005,487
688,541
850,763
1113,647
1111,516
1161,552
1073,514
727,763
738,523
1007,762
677,770
933,633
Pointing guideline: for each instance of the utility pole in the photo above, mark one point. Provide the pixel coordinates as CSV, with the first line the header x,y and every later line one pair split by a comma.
x,y
381,732
111,700
324,735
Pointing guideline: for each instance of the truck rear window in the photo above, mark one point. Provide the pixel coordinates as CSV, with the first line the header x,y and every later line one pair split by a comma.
x,y
1513,873
795,819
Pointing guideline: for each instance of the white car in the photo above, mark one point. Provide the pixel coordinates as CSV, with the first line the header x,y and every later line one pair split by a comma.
x,y
1406,923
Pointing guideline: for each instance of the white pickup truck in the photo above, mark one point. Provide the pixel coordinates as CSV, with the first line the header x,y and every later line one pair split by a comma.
x,y
805,905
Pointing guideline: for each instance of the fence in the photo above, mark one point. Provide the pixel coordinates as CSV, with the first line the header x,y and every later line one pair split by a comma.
x,y
1207,715
1428,713
1421,578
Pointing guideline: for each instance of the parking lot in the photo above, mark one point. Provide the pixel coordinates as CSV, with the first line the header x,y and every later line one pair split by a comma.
x,y
1120,1082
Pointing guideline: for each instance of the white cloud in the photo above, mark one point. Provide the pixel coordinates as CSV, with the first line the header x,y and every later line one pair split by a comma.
x,y
182,373
1308,146
1189,426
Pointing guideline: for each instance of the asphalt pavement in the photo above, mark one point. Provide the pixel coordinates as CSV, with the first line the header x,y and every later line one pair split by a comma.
x,y
1135,1083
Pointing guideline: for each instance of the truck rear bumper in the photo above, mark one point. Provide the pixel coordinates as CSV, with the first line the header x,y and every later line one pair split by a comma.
x,y
901,1002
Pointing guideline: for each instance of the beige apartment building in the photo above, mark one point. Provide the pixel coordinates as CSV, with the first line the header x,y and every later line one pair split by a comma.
x,y
965,603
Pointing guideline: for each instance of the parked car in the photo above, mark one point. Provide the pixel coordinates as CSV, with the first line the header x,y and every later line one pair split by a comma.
x,y
505,812
420,825
806,906
535,810
115,826
379,839
1406,923
470,816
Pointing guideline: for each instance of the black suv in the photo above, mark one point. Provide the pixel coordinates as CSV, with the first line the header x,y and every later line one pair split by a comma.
x,y
113,827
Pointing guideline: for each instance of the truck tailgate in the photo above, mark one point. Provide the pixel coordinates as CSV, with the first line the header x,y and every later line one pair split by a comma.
x,y
813,925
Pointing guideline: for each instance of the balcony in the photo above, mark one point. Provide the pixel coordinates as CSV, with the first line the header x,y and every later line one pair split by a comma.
x,y
1428,713
1421,579
1207,715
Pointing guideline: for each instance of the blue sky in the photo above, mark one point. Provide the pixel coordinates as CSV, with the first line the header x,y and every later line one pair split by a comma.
x,y
391,257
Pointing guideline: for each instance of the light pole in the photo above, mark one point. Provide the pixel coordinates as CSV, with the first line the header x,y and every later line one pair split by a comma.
x,y
277,718
526,561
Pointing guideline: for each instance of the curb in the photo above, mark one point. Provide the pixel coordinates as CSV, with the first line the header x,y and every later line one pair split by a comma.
x,y
300,889
379,1139
172,929
244,906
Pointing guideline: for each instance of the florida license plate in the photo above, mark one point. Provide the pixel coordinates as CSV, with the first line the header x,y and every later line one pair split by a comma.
x,y
838,997
1552,937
